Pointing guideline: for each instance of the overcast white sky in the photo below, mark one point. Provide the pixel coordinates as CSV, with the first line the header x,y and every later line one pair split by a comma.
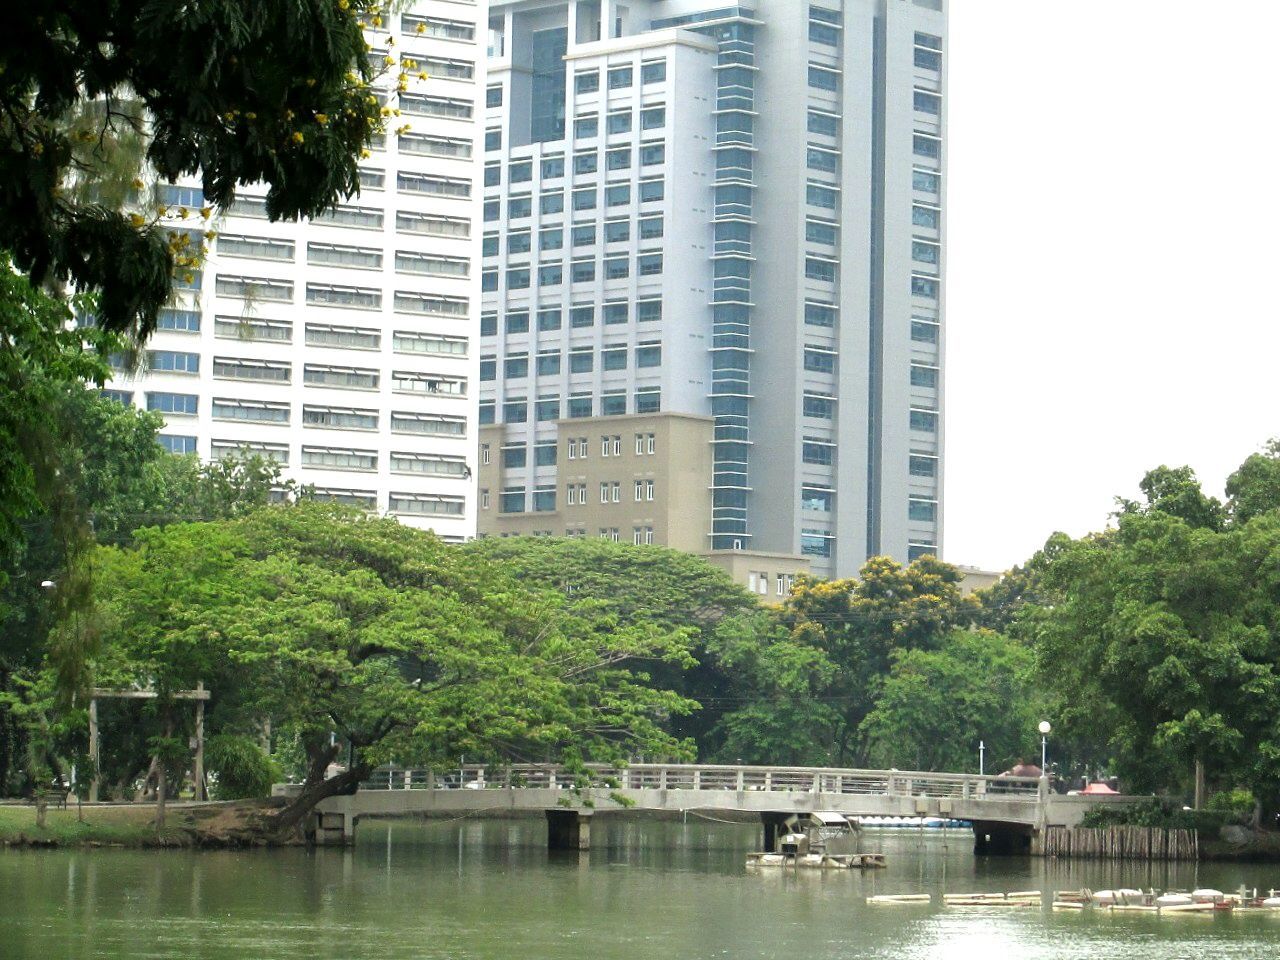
x,y
1113,257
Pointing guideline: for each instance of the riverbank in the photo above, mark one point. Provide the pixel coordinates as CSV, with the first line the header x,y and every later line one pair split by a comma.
x,y
187,825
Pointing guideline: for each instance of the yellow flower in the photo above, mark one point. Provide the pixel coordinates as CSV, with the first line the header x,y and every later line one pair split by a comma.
x,y
206,212
137,219
251,116
137,183
422,28
422,75
210,234
322,118
182,212
344,4
364,154
311,81
297,136
288,114
388,60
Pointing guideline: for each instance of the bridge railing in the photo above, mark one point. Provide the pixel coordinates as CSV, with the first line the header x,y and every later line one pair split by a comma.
x,y
655,776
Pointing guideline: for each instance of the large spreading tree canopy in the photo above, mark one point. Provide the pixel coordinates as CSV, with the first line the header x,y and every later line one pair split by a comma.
x,y
97,96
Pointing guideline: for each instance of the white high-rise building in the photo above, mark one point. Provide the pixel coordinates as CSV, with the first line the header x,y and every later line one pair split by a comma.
x,y
345,347
729,214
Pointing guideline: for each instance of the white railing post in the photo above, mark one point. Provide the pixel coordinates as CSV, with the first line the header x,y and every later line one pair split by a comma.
x,y
839,783
697,779
741,779
662,779
768,779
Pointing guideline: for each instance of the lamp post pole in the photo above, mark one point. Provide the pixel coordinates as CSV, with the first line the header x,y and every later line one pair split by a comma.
x,y
982,758
1045,727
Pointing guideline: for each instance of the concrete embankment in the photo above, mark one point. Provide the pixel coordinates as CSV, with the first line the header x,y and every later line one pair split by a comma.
x,y
243,823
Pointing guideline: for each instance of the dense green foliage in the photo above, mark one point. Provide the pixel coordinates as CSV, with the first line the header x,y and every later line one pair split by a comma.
x,y
95,95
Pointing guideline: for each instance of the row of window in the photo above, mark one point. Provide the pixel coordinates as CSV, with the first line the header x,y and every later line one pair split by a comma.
x,y
619,78
582,198
314,374
584,164
516,499
581,316
256,289
551,408
373,218
581,360
649,227
316,334
331,458
580,271
339,255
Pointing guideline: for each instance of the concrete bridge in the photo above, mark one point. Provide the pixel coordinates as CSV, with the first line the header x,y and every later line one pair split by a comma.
x,y
1007,812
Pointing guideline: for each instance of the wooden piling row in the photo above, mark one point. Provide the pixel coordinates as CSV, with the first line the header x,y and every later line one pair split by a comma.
x,y
1120,843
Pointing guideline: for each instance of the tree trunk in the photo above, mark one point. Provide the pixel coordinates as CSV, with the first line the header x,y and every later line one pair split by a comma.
x,y
316,788
162,777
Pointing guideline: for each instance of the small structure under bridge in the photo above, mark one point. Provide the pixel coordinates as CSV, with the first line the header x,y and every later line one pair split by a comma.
x,y
1008,813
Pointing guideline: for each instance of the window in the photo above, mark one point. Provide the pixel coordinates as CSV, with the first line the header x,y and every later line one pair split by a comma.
x,y
254,288
512,500
818,360
173,403
550,275
551,238
492,211
180,321
451,308
925,421
923,511
364,218
653,118
652,190
339,458
921,466
924,252
924,216
232,449
552,168
581,361
816,499
518,278
488,283
492,140
819,452
819,314
424,504
617,195
347,378
516,367
366,499
649,264
586,127
174,195
584,198
544,499
549,318
648,400
815,543
424,145
579,406
457,188
922,376
649,355
648,311
617,231
929,103
354,338
925,146
176,444
350,418
357,298
653,154
445,108
515,456
819,196
928,59
331,254
611,446
544,455
241,328
486,415
651,228
618,159
584,163
257,248
819,406
519,207
493,96
438,27
173,361
430,225
582,271
550,203
521,172
619,78
520,241
925,182
822,270
584,235
613,358
546,409
654,72
925,287
615,312
820,78
485,451
923,331
515,411
123,397
826,161
613,403
618,121
825,124
818,231
587,81
617,268
584,316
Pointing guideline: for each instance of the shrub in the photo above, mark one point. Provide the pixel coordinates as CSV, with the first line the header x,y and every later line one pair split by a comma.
x,y
238,767
1235,805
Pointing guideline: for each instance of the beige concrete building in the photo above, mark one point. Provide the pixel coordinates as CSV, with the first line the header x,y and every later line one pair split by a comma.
x,y
767,575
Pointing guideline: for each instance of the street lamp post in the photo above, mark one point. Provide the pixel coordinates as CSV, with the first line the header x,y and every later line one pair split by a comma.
x,y
1045,727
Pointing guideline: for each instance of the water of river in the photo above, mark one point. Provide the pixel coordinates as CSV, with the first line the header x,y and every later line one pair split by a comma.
x,y
488,890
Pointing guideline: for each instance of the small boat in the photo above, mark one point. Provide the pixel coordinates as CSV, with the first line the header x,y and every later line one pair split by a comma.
x,y
1017,898
818,841
888,898
1174,900
1207,895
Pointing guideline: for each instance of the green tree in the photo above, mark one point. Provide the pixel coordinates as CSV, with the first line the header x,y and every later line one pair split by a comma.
x,y
1254,489
936,705
361,634
236,91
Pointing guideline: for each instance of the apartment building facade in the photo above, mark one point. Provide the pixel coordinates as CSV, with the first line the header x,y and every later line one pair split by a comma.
x,y
722,225
345,348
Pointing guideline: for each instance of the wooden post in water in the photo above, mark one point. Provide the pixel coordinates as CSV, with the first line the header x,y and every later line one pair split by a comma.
x,y
1200,786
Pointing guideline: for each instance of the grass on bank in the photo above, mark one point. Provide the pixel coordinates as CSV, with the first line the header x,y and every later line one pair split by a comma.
x,y
127,825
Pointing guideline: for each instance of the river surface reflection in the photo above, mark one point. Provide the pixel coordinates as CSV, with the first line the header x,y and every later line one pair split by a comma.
x,y
485,890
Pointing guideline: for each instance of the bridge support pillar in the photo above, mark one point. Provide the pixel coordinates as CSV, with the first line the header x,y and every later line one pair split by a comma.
x,y
1001,839
568,830
774,825
332,829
